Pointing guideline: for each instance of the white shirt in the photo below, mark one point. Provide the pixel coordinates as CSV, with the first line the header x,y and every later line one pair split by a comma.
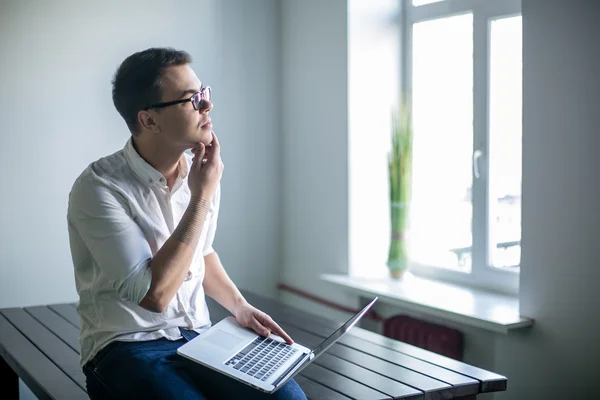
x,y
120,214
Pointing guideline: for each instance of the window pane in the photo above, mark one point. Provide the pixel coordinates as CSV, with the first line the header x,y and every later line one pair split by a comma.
x,y
505,142
441,210
423,2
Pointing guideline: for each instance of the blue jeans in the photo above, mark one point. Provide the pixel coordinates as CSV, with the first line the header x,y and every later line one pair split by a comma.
x,y
154,370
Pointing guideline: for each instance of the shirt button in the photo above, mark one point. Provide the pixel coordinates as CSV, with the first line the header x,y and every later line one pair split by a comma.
x,y
188,276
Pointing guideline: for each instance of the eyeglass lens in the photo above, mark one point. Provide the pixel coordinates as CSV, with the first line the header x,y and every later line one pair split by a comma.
x,y
204,94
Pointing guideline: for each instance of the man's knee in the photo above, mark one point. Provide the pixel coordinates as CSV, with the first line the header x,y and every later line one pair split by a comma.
x,y
290,391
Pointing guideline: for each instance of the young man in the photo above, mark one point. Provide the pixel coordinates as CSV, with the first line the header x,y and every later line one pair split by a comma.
x,y
141,226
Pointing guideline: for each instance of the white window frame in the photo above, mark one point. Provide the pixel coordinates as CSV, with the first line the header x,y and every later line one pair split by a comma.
x,y
482,274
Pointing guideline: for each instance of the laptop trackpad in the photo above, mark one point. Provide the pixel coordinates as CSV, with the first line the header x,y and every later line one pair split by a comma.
x,y
224,340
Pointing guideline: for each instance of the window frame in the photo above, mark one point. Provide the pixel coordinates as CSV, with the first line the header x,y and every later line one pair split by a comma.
x,y
482,275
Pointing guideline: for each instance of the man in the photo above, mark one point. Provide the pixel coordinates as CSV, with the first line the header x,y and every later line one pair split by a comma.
x,y
141,226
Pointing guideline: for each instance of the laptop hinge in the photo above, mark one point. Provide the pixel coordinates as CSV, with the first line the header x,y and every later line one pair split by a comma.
x,y
290,370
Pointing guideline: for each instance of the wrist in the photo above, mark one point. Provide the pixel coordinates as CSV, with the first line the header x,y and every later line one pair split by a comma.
x,y
199,203
201,197
238,304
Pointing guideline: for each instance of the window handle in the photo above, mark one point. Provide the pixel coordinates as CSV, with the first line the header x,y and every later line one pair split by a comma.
x,y
477,154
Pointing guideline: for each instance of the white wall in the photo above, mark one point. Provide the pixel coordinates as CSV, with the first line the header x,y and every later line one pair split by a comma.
x,y
315,143
56,116
249,123
558,358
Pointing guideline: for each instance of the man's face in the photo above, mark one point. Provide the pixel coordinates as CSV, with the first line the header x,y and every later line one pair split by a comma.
x,y
181,125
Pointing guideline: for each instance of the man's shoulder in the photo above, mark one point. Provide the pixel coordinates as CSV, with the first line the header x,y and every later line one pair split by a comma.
x,y
107,168
107,173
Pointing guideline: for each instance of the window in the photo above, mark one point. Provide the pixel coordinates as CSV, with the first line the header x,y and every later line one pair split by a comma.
x,y
504,222
442,86
462,67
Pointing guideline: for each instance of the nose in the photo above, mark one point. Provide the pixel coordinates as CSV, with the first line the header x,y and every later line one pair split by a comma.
x,y
206,106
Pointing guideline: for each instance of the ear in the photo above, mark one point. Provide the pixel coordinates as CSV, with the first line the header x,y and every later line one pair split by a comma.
x,y
147,120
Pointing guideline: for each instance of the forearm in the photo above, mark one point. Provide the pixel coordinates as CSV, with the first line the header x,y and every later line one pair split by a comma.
x,y
219,286
171,263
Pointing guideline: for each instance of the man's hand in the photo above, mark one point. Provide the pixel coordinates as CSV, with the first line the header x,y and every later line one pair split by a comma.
x,y
206,170
258,321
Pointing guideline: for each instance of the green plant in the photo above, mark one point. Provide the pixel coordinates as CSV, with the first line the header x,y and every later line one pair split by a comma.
x,y
400,172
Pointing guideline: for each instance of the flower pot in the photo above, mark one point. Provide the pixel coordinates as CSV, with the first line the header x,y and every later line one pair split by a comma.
x,y
397,261
397,273
398,253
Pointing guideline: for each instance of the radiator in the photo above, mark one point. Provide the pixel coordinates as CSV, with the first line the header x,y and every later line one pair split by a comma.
x,y
437,338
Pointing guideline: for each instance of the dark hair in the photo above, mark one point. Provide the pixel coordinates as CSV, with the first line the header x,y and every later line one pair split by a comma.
x,y
138,81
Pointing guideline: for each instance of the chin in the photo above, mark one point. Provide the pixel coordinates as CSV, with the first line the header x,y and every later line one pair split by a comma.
x,y
203,135
207,140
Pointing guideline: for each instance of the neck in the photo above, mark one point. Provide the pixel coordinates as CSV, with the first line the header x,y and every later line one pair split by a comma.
x,y
162,158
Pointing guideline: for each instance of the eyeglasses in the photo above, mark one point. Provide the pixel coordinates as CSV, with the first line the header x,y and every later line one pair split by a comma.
x,y
198,100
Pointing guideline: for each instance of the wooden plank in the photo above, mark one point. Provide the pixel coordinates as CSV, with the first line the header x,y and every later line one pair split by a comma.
x,y
341,384
368,378
68,312
9,381
431,388
43,377
56,350
316,391
413,384
462,385
490,382
64,330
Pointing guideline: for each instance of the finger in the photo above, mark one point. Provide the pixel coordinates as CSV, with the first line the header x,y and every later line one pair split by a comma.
x,y
259,328
280,332
199,153
216,146
275,328
207,154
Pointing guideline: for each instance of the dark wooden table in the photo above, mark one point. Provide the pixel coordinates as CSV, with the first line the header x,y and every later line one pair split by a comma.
x,y
40,345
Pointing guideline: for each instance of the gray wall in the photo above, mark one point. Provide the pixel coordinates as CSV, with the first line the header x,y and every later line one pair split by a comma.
x,y
315,143
558,358
56,116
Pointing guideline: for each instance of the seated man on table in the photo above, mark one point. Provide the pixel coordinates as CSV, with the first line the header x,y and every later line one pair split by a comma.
x,y
141,226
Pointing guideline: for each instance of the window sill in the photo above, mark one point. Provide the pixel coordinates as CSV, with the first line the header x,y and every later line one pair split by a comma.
x,y
460,304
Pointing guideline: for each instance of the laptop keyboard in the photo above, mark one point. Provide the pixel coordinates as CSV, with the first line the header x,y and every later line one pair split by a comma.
x,y
261,358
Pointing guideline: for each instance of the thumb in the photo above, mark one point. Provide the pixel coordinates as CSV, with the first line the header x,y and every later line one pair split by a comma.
x,y
199,152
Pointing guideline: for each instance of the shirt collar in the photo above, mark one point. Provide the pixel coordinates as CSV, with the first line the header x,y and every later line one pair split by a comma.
x,y
145,171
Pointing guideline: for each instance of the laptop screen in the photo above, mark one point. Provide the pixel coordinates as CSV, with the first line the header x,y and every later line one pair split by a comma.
x,y
320,349
327,343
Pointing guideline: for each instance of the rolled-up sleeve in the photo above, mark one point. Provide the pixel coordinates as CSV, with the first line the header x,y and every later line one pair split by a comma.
x,y
212,227
101,217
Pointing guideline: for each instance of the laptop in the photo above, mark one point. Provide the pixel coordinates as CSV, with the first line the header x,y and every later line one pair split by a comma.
x,y
265,363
